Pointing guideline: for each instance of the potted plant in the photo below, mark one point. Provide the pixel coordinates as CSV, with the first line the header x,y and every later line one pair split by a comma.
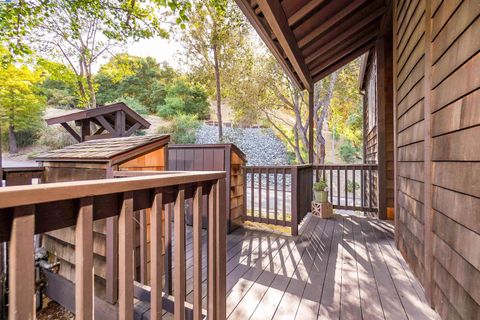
x,y
320,191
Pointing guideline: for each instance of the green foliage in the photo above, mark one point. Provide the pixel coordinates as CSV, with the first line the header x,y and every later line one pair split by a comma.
x,y
320,185
21,104
182,98
60,84
183,128
142,79
348,152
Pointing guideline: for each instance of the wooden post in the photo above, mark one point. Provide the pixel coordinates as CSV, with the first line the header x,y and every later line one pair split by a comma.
x,y
197,254
310,125
85,129
428,210
211,288
179,255
221,251
381,131
21,280
156,263
125,258
119,123
84,260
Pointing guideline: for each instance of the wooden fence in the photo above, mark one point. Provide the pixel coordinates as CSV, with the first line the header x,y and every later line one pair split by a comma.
x,y
282,195
29,210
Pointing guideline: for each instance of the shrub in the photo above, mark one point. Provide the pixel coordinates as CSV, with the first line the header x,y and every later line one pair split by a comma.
x,y
183,128
55,137
133,103
351,187
348,152
320,185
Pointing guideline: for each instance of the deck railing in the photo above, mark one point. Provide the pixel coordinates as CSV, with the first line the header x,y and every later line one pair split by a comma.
x,y
350,186
278,195
281,195
29,210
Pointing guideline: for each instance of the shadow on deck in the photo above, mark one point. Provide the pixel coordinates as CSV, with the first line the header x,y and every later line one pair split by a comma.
x,y
343,268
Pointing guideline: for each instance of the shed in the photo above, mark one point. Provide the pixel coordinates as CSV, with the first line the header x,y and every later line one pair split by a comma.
x,y
97,159
215,157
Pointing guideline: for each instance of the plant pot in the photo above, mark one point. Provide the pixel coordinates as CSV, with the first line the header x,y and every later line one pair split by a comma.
x,y
321,196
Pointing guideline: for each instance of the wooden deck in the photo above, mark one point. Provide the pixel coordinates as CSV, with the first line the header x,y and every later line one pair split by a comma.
x,y
344,268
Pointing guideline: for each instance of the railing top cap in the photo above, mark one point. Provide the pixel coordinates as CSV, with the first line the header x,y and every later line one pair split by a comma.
x,y
41,193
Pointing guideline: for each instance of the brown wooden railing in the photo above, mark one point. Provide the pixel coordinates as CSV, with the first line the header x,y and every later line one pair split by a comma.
x,y
278,195
29,210
350,186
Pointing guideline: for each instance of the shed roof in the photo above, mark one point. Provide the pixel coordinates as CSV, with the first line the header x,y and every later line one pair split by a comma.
x,y
313,38
106,150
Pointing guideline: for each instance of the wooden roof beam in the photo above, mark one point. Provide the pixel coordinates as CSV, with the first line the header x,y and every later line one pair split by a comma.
x,y
346,35
340,63
304,11
340,52
345,12
277,20
267,39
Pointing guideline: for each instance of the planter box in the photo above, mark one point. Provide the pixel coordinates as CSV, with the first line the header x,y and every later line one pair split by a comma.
x,y
322,209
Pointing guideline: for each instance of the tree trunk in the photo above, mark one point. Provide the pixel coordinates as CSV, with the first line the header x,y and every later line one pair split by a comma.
x,y
12,140
218,93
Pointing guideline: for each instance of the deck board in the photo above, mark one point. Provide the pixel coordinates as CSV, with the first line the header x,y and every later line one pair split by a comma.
x,y
342,268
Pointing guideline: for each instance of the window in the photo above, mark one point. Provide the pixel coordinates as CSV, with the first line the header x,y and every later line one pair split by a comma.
x,y
372,97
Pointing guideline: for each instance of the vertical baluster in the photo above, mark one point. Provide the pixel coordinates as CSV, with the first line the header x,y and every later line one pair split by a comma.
x,y
370,187
197,254
84,260
211,289
284,200
125,258
362,188
179,255
346,185
354,188
156,263
168,248
221,252
260,195
252,193
338,186
268,195
275,205
143,246
331,185
21,280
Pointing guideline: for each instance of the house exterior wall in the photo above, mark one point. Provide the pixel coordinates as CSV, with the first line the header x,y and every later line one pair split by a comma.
x,y
437,112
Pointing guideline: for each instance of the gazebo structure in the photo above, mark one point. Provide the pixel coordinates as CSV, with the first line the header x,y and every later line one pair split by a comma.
x,y
117,120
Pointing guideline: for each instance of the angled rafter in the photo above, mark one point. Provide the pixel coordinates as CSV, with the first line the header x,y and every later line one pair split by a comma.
x,y
330,22
101,119
343,51
338,64
346,35
72,131
132,129
304,11
276,18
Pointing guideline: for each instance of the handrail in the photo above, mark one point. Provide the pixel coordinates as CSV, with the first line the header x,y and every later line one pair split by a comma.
x,y
28,210
33,194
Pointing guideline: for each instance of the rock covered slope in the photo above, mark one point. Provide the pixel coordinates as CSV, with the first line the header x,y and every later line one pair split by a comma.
x,y
260,145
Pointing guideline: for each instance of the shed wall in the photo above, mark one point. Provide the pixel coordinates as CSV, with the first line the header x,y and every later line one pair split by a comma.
x,y
437,91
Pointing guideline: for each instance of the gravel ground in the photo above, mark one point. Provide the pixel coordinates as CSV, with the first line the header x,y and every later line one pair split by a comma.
x,y
260,145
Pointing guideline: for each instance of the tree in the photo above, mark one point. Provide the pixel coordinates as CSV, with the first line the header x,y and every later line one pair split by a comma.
x,y
181,98
214,38
143,79
82,31
21,105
